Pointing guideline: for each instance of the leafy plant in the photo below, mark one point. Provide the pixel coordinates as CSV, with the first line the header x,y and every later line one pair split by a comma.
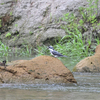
x,y
16,25
97,40
42,50
4,50
8,34
11,13
2,3
31,33
89,13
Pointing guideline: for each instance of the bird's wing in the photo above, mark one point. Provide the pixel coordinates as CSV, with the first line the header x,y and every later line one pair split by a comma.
x,y
56,53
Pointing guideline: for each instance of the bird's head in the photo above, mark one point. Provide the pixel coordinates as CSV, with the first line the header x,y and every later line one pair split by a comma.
x,y
50,48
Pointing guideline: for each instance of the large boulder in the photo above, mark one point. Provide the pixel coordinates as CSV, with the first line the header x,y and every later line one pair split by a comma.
x,y
42,69
89,64
34,21
97,50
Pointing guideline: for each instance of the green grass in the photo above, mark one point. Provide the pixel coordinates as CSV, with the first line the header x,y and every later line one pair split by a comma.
x,y
6,51
3,50
41,50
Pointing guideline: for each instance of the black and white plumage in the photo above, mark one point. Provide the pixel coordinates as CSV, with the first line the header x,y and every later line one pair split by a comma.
x,y
55,53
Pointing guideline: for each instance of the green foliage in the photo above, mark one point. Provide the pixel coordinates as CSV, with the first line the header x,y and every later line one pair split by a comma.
x,y
98,41
75,44
2,3
14,38
8,35
40,26
17,35
89,13
16,25
31,33
4,50
41,50
11,13
26,51
81,22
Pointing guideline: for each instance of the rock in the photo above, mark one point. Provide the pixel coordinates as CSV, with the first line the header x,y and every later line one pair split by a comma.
x,y
33,20
50,34
42,69
89,64
30,22
97,50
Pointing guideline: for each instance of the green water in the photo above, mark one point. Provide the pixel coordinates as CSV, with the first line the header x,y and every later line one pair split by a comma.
x,y
70,62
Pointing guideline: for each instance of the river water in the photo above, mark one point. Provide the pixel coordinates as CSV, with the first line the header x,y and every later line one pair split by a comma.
x,y
87,88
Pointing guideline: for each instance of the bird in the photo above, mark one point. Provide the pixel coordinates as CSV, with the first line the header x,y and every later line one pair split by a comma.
x,y
3,63
55,53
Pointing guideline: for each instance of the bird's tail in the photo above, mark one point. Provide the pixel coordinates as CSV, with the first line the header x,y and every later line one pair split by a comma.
x,y
64,56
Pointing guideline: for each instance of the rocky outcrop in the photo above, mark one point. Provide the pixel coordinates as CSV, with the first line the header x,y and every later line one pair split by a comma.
x,y
34,21
42,69
97,50
89,64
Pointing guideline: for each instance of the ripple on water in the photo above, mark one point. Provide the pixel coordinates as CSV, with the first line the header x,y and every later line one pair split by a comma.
x,y
86,82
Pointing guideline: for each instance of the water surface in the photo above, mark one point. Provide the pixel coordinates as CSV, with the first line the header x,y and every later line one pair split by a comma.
x,y
87,88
